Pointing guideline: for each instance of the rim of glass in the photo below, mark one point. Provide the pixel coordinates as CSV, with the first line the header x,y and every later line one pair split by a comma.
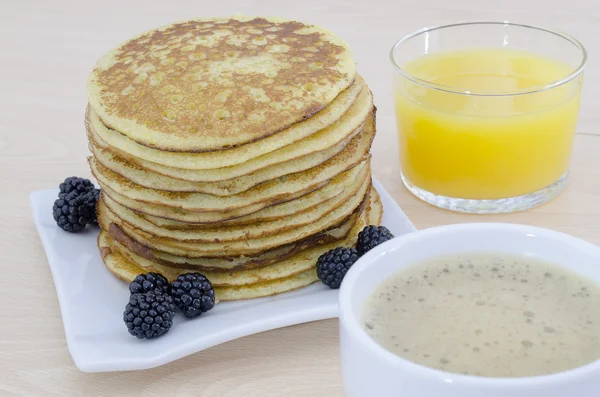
x,y
440,87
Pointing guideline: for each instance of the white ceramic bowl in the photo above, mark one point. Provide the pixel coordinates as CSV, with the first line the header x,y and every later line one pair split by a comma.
x,y
370,370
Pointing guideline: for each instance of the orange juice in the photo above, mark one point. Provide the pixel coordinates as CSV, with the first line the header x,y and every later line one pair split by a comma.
x,y
485,128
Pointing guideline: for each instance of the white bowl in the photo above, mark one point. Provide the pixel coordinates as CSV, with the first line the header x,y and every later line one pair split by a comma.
x,y
370,370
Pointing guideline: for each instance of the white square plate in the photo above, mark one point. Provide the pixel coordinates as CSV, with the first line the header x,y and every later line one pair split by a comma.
x,y
92,301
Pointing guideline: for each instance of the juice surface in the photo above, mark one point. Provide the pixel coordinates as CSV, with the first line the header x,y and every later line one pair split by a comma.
x,y
485,146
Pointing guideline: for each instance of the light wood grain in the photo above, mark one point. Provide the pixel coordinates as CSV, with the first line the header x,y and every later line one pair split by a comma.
x,y
47,49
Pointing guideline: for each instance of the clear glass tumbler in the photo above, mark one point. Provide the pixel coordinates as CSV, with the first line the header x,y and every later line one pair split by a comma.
x,y
486,114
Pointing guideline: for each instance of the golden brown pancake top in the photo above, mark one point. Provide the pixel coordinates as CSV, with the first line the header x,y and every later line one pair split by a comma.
x,y
214,84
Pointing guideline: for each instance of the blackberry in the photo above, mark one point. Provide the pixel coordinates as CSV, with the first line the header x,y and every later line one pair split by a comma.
x,y
75,184
193,294
93,198
73,212
149,315
333,265
149,282
370,237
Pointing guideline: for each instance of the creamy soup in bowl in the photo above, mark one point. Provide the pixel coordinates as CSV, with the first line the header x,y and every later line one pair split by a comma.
x,y
473,310
487,314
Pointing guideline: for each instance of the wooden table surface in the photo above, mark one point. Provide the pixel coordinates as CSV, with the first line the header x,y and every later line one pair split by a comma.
x,y
47,49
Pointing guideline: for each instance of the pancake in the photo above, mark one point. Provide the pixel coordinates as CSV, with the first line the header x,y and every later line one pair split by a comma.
x,y
298,263
229,263
243,262
244,246
166,216
149,179
213,84
126,270
286,145
268,193
283,276
135,171
194,249
235,146
220,233
269,288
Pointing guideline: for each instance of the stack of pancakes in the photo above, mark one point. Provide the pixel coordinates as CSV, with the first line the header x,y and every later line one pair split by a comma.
x,y
234,147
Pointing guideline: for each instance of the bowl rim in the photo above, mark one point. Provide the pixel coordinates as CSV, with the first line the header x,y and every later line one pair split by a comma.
x,y
453,90
350,323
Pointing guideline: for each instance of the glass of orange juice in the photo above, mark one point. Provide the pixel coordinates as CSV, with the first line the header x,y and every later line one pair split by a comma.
x,y
486,114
